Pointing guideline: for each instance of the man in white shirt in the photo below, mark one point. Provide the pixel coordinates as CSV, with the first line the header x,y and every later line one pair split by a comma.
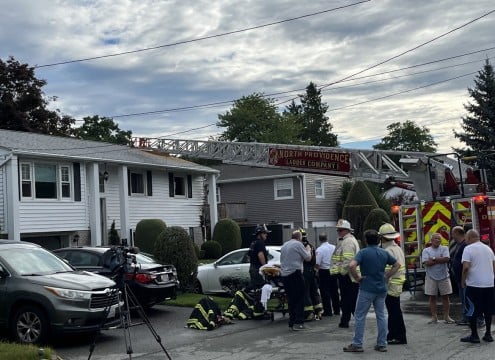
x,y
478,266
328,286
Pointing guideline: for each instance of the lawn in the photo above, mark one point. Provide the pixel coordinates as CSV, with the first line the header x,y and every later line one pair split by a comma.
x,y
12,351
190,300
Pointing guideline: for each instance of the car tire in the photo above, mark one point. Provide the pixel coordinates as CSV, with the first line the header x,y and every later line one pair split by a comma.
x,y
30,325
198,289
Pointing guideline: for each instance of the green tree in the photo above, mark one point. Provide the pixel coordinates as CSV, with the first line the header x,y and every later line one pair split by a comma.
x,y
228,234
407,136
102,129
315,127
23,104
478,127
254,118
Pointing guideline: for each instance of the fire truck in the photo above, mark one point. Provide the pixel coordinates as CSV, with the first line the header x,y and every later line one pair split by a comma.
x,y
449,192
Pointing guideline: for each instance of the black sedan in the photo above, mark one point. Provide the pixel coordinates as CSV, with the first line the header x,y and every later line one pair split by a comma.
x,y
150,282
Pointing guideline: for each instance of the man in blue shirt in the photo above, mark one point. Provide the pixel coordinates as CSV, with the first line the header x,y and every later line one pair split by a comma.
x,y
372,290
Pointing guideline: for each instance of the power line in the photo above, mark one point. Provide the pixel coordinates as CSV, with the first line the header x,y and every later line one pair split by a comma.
x,y
202,38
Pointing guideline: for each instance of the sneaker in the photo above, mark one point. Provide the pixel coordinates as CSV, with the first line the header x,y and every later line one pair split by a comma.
x,y
380,348
396,342
462,322
298,327
353,348
488,338
471,339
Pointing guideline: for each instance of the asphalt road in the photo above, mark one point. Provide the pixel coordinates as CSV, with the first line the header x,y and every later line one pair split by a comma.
x,y
263,339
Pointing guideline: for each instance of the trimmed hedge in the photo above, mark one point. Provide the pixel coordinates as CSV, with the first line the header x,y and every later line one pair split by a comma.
x,y
147,231
212,249
375,219
228,233
174,246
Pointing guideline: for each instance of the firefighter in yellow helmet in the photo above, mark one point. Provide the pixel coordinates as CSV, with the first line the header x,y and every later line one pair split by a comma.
x,y
396,326
345,250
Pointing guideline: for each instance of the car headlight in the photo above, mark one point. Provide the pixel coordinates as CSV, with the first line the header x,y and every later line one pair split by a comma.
x,y
69,294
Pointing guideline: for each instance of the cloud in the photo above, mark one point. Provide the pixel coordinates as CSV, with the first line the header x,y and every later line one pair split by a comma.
x,y
323,48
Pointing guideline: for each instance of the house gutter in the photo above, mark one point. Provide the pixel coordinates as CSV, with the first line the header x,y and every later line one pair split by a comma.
x,y
269,177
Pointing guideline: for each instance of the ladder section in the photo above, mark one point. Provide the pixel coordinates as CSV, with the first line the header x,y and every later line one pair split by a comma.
x,y
374,165
462,213
411,234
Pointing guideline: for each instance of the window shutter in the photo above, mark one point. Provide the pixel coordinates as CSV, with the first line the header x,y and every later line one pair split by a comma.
x,y
77,181
189,186
171,190
149,183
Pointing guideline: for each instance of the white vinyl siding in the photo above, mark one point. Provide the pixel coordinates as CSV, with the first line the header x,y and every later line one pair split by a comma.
x,y
283,189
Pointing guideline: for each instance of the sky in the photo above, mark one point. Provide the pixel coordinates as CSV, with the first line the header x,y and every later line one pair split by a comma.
x,y
183,62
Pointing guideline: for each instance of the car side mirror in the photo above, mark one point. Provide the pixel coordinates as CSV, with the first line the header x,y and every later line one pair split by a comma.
x,y
215,265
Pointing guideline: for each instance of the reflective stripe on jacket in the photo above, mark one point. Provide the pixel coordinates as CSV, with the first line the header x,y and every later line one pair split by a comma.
x,y
396,282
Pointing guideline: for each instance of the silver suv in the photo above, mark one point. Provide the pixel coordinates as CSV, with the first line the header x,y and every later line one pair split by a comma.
x,y
41,295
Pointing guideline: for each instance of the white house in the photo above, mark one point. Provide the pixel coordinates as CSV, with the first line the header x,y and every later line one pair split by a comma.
x,y
58,190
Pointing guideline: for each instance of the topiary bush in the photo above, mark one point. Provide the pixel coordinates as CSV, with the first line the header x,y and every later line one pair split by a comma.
x,y
357,206
376,218
147,231
212,249
228,233
174,246
113,235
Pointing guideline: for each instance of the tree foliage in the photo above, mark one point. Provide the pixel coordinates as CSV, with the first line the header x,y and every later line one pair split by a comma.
x,y
478,126
228,234
360,201
315,127
102,129
254,118
407,136
147,231
24,105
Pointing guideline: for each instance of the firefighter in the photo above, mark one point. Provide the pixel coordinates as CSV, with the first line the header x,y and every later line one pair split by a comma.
x,y
347,247
258,256
396,326
313,308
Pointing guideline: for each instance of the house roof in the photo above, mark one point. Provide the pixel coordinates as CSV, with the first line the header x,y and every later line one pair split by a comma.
x,y
40,145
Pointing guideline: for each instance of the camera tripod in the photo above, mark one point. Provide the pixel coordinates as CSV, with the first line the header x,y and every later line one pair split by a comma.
x,y
130,303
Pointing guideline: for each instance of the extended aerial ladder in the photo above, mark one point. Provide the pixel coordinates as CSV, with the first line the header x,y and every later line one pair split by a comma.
x,y
362,164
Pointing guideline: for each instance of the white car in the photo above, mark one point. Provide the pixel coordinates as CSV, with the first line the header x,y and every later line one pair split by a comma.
x,y
234,264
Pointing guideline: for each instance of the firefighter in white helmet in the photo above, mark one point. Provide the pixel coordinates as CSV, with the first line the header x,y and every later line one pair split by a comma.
x,y
347,247
396,327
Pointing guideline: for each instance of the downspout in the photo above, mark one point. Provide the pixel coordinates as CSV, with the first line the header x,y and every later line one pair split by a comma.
x,y
304,202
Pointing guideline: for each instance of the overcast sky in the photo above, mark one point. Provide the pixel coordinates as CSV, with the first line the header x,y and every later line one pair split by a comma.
x,y
325,48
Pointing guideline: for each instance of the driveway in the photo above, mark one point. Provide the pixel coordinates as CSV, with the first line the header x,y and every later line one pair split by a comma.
x,y
262,339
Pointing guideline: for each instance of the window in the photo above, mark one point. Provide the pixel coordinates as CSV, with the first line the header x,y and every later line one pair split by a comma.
x,y
101,182
283,189
219,199
65,182
137,183
46,181
26,183
319,189
180,186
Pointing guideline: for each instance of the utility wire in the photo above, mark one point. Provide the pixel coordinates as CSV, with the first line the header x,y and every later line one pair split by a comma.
x,y
276,94
202,38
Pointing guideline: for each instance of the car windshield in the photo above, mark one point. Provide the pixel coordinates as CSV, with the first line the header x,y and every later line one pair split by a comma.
x,y
34,261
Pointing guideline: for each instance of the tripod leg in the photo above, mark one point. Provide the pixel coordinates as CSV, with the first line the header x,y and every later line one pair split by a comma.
x,y
131,299
125,322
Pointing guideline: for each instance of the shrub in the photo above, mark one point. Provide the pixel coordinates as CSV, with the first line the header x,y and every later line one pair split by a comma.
x,y
113,235
174,246
358,205
147,231
377,192
212,249
376,218
228,233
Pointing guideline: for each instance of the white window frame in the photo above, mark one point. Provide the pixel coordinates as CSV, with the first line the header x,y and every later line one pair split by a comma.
x,y
29,177
143,179
319,189
283,185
